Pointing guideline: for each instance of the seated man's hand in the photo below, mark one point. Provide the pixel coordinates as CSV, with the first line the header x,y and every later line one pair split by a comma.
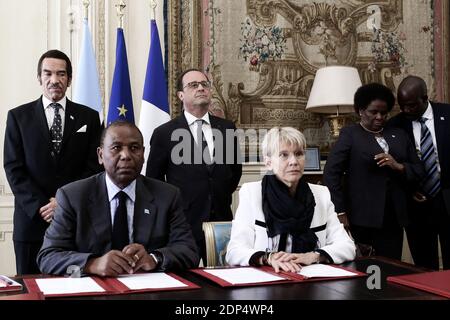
x,y
283,261
141,258
111,264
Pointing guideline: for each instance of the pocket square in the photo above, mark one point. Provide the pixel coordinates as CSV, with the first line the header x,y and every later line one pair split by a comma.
x,y
82,129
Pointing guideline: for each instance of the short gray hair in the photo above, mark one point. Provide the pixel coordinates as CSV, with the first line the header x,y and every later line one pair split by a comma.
x,y
279,135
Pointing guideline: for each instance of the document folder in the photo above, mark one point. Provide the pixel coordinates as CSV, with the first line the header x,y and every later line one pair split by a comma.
x,y
259,273
437,282
8,284
96,286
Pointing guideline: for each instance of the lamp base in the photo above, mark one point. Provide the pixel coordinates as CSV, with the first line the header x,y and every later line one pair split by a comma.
x,y
336,123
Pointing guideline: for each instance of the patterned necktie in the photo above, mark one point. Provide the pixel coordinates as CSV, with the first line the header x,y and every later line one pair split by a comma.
x,y
206,156
431,184
56,129
120,228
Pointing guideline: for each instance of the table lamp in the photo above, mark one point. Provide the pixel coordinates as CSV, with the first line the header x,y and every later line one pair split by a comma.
x,y
332,93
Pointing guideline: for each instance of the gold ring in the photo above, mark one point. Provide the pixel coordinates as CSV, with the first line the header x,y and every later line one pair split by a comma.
x,y
136,257
386,159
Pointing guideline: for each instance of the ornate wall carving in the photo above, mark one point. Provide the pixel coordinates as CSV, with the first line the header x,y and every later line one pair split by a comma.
x,y
185,46
264,53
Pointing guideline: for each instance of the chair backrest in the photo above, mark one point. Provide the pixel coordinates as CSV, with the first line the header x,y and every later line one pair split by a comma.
x,y
217,236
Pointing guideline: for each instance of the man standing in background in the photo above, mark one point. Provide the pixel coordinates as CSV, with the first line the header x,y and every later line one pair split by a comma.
x,y
48,143
207,181
428,126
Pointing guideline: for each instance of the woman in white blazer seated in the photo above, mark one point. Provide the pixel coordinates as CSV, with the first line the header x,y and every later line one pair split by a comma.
x,y
282,221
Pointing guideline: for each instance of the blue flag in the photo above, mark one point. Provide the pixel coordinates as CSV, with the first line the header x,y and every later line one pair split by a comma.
x,y
155,102
121,102
87,88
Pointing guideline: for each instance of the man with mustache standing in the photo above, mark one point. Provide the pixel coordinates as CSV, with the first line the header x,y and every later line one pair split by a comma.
x,y
198,153
48,143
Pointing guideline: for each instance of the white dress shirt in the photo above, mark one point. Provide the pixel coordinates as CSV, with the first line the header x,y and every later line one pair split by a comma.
x,y
50,113
417,129
206,128
130,190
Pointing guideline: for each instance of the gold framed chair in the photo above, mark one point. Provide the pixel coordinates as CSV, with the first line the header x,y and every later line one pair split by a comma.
x,y
217,236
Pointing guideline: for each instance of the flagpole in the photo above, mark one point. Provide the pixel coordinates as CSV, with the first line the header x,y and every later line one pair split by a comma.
x,y
153,7
86,4
120,7
121,101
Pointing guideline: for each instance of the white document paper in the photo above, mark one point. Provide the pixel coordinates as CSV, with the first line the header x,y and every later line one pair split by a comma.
x,y
68,285
323,270
244,275
155,280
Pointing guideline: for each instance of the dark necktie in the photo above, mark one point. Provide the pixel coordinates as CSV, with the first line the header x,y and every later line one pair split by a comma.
x,y
206,156
120,228
432,182
56,129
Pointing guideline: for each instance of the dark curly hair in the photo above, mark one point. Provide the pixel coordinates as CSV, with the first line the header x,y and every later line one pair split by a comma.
x,y
370,92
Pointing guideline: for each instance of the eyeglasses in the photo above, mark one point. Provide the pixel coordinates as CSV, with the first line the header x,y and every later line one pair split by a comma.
x,y
194,85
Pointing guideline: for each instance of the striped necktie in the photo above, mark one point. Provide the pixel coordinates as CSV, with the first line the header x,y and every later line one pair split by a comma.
x,y
431,184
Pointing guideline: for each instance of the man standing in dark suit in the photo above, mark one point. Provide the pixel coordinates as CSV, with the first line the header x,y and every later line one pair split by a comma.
x,y
428,126
119,221
48,143
180,153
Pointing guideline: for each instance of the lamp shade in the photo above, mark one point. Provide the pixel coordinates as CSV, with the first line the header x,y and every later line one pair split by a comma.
x,y
333,90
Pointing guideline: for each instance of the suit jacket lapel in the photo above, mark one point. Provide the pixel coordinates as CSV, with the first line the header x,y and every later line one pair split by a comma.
x,y
217,126
100,212
183,124
439,129
408,127
391,140
70,119
39,113
144,213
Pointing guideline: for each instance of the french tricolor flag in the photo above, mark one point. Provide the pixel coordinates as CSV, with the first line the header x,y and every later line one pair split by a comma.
x,y
155,103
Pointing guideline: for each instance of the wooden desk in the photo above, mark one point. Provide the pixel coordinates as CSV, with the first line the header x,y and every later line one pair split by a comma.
x,y
349,289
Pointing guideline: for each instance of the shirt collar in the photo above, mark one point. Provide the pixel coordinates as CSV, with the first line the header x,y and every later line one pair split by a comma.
x,y
428,114
191,119
46,102
112,189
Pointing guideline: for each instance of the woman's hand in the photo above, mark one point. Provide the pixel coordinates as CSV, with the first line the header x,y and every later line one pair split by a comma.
x,y
306,258
385,159
283,261
419,197
343,218
291,262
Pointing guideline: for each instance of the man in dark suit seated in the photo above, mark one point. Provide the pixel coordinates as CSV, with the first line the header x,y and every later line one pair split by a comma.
x,y
119,221
48,143
198,153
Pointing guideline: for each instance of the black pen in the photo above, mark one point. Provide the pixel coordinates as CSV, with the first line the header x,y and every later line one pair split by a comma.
x,y
7,281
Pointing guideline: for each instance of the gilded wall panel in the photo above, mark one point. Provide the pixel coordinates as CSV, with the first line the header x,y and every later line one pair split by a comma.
x,y
262,54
